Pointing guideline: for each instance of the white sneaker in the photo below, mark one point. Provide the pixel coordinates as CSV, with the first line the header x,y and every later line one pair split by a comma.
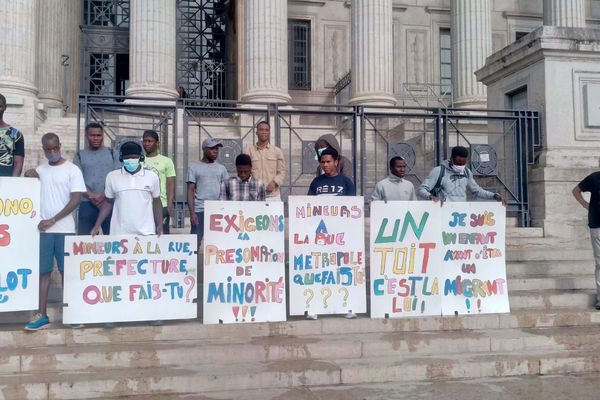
x,y
312,317
350,315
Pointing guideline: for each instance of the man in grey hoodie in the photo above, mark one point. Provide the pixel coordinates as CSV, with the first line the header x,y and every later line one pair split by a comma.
x,y
345,167
455,180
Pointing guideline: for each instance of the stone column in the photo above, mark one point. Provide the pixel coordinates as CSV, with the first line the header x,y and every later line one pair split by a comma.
x,y
17,64
566,13
372,67
152,57
471,44
53,32
265,51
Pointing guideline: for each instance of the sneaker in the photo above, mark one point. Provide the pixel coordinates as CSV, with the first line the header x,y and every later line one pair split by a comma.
x,y
38,321
312,317
350,315
75,326
597,305
157,322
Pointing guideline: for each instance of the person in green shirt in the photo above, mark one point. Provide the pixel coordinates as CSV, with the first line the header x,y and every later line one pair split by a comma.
x,y
165,169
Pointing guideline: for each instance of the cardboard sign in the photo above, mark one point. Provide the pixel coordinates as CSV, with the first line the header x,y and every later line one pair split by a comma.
x,y
326,255
118,278
244,262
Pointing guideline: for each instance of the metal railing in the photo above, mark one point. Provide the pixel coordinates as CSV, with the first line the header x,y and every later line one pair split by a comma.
x,y
503,143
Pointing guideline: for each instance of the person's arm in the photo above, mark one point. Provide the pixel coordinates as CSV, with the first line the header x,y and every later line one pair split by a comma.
x,y
31,173
350,188
191,191
346,167
157,210
17,165
279,173
478,191
170,194
413,193
311,189
105,209
377,192
74,200
577,194
428,184
18,155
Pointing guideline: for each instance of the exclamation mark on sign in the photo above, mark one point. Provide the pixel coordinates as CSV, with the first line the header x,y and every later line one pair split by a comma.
x,y
479,305
236,311
252,312
468,303
244,313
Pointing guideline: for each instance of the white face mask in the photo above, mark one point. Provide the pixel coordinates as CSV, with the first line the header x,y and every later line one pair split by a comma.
x,y
459,168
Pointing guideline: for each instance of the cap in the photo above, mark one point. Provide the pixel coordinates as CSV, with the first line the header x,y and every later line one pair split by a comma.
x,y
211,142
131,148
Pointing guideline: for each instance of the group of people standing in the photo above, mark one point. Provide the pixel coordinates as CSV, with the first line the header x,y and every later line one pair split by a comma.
x,y
131,191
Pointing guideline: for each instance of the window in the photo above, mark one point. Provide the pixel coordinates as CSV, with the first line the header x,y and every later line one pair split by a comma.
x,y
519,35
299,55
109,13
445,62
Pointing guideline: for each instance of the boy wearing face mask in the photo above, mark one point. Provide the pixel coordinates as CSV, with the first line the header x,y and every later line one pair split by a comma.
x,y
133,194
62,186
455,180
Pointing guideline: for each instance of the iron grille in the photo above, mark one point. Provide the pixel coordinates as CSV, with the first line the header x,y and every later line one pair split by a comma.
x,y
102,74
299,55
202,68
113,13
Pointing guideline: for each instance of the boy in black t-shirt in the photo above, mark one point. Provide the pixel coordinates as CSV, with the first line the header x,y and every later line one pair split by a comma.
x,y
591,183
330,182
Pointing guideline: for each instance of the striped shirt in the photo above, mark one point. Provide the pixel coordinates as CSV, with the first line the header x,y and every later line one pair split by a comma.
x,y
236,189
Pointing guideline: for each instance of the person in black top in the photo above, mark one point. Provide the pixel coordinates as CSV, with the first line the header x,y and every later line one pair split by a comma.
x,y
12,146
330,182
591,183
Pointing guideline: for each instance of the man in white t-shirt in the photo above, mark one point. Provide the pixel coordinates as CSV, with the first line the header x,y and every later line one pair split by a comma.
x,y
62,186
133,194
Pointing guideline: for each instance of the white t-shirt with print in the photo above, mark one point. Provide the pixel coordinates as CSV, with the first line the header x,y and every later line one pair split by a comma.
x,y
57,184
133,196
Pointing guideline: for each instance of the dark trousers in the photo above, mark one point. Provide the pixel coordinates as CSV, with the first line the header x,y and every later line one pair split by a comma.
x,y
87,216
166,221
199,229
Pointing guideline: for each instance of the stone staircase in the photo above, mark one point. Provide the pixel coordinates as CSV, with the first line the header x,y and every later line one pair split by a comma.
x,y
551,330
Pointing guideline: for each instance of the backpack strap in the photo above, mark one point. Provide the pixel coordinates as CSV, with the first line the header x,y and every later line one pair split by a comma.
x,y
438,183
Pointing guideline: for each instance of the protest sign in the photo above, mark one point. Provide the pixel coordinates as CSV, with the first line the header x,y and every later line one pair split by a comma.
x,y
473,276
19,244
244,262
118,278
326,255
405,259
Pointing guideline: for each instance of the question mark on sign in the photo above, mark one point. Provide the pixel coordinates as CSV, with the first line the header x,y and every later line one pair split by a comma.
x,y
325,296
343,289
189,280
310,296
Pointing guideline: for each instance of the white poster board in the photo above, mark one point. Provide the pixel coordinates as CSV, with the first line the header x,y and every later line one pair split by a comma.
x,y
118,278
405,261
473,277
244,262
326,255
19,244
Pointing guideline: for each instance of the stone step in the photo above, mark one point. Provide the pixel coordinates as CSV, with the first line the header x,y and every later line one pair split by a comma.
x,y
191,353
548,254
543,282
286,374
12,336
550,268
548,299
531,387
